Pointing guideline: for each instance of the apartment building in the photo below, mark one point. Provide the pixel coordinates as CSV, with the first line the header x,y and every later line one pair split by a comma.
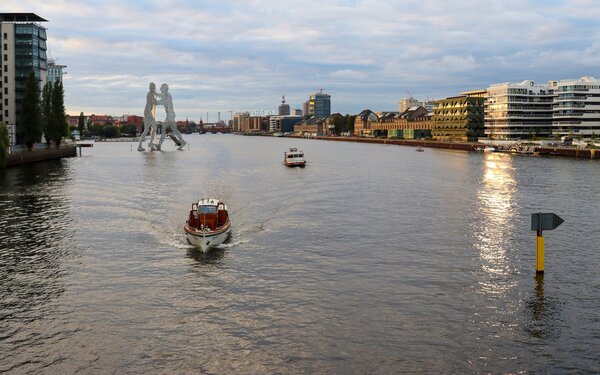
x,y
519,110
577,107
458,118
22,50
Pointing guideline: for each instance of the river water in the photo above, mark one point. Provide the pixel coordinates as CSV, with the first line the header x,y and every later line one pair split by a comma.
x,y
372,259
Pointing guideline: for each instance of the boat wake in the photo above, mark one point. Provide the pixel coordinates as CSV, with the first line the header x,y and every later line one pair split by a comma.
x,y
229,245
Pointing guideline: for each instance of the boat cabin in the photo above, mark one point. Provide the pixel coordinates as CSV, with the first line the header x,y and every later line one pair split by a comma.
x,y
208,213
293,158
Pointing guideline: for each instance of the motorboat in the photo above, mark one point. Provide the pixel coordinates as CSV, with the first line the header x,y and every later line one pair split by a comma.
x,y
420,149
294,158
208,224
489,149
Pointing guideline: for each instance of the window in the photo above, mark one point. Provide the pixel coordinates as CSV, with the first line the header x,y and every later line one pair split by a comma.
x,y
5,36
208,209
5,57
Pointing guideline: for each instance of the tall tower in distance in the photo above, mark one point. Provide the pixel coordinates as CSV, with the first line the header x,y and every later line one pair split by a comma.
x,y
284,109
319,104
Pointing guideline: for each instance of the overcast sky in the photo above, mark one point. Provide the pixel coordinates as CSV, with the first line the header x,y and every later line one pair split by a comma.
x,y
237,55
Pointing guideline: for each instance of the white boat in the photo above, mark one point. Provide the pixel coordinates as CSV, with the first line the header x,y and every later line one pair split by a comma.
x,y
207,224
294,158
489,149
420,149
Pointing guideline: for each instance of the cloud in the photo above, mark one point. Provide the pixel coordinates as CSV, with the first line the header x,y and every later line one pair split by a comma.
x,y
238,54
348,74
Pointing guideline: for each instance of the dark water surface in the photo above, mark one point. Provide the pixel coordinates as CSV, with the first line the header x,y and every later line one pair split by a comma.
x,y
373,259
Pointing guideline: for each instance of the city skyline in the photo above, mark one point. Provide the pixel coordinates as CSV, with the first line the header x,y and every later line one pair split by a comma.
x,y
237,56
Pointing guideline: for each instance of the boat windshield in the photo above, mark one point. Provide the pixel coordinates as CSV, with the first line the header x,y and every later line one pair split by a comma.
x,y
207,209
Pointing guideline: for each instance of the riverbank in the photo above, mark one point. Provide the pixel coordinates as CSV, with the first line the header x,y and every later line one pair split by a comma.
x,y
38,155
467,146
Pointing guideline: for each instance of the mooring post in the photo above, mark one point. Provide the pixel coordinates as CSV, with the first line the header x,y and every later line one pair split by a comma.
x,y
539,247
539,222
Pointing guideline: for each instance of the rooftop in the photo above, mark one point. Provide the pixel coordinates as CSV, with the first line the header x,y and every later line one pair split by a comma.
x,y
21,17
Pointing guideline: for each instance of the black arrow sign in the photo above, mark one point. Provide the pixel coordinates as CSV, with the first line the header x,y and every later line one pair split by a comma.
x,y
545,221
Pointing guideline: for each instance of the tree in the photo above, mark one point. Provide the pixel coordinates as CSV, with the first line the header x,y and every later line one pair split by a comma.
x,y
30,119
3,144
128,129
60,128
110,131
339,123
95,130
46,108
349,123
81,124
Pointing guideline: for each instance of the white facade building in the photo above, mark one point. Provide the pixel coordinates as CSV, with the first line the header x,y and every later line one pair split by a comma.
x,y
519,110
577,107
406,103
55,72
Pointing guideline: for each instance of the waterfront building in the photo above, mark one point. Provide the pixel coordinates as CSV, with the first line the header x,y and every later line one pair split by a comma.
x,y
284,109
73,120
406,103
283,124
475,94
414,123
312,126
22,50
247,123
458,118
319,104
429,105
305,108
100,119
363,121
577,107
330,123
518,110
55,72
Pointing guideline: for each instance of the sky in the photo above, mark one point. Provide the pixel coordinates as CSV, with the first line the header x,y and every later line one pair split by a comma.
x,y
231,56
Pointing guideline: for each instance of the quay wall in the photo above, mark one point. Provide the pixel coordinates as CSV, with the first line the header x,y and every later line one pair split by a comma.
x,y
466,146
34,156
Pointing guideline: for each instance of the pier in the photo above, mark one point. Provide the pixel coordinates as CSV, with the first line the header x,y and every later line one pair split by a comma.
x,y
37,155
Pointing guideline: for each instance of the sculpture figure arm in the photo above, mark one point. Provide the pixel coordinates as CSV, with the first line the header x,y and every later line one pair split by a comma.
x,y
159,99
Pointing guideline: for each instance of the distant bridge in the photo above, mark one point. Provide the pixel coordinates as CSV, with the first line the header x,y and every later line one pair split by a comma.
x,y
214,129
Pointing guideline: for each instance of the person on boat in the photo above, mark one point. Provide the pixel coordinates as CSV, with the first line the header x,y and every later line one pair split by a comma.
x,y
166,100
149,120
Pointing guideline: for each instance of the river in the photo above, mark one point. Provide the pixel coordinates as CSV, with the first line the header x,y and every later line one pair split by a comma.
x,y
372,259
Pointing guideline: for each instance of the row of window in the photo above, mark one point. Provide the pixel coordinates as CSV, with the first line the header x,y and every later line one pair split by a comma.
x,y
578,88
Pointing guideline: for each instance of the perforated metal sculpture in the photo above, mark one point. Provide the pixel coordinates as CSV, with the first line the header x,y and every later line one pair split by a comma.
x,y
166,100
149,120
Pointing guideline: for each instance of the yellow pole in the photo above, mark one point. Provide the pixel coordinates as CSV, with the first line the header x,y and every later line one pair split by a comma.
x,y
539,254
